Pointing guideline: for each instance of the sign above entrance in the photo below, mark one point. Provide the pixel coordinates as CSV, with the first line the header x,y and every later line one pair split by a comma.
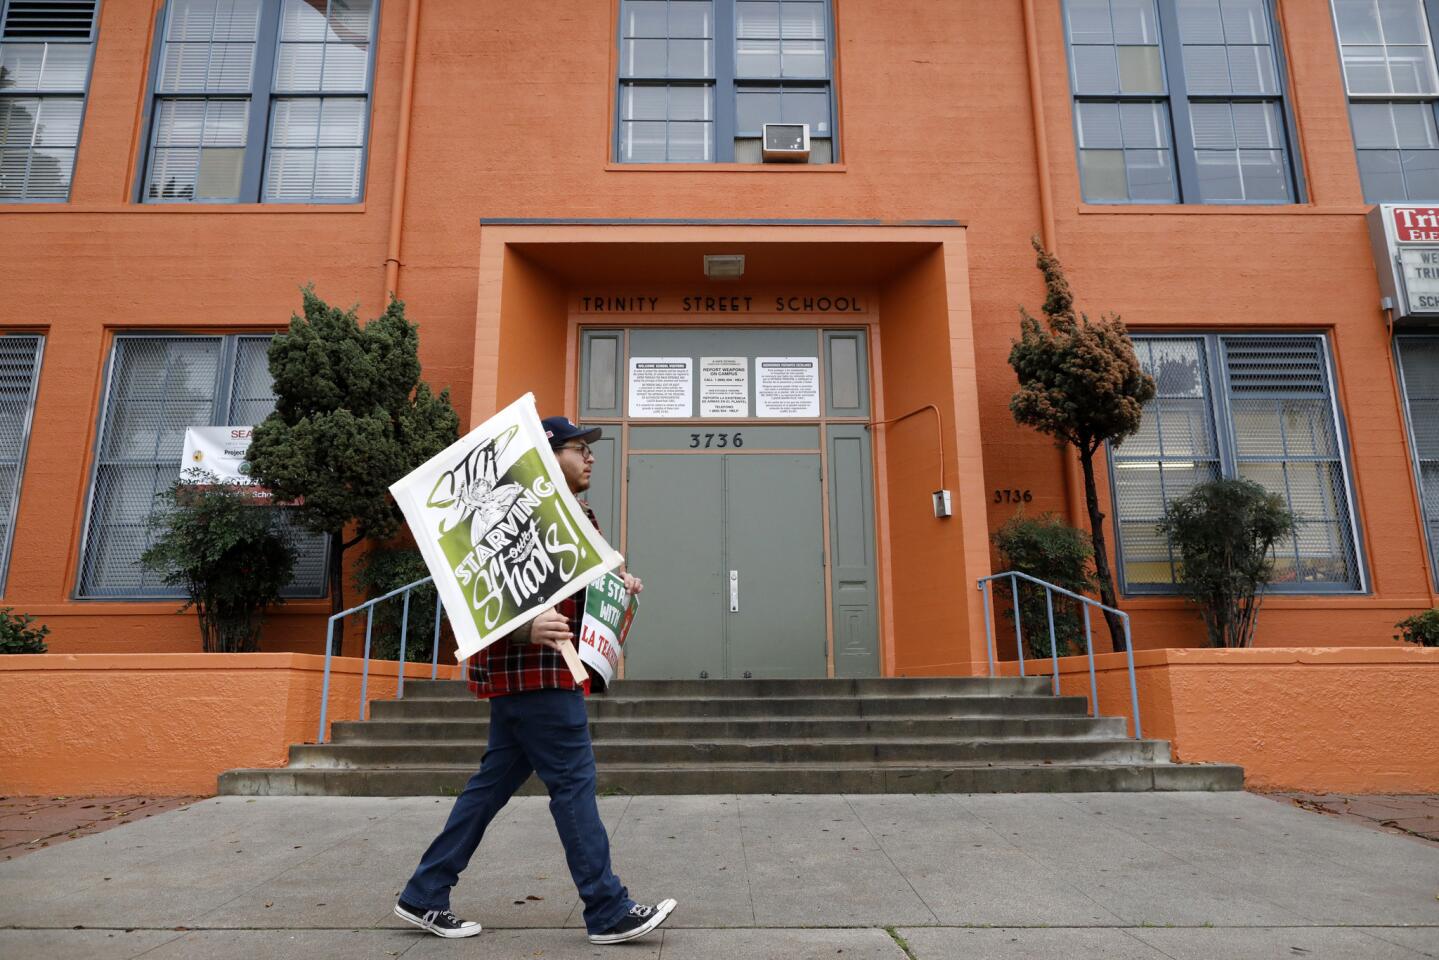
x,y
724,386
828,303
786,386
661,387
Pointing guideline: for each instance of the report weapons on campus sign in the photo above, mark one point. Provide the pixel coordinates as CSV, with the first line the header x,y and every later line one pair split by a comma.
x,y
499,529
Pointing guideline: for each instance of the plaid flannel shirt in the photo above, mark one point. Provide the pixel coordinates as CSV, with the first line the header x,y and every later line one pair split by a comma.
x,y
514,665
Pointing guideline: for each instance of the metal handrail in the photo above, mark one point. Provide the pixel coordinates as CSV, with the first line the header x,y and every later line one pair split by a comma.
x,y
1050,589
369,606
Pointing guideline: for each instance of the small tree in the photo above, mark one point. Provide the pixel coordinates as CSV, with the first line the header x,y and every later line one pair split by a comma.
x,y
1079,382
1224,532
228,555
1422,628
352,417
19,634
1050,549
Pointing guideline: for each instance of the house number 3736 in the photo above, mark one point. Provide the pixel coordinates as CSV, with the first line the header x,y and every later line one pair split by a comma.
x,y
708,441
1013,496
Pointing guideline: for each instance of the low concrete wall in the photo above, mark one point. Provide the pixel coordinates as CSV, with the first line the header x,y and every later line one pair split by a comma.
x,y
166,723
1349,720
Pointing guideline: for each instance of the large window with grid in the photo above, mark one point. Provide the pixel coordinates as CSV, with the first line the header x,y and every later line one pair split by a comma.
x,y
1180,101
698,79
19,378
155,387
1419,373
1387,50
46,47
260,101
1255,406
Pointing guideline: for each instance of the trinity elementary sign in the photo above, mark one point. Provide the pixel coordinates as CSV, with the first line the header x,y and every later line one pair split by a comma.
x,y
1406,254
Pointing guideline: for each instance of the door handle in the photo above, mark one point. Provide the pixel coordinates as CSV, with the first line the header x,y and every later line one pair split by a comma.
x,y
734,591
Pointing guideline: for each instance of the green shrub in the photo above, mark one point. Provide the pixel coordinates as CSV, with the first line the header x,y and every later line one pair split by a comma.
x,y
226,552
1422,628
1051,550
388,568
1224,533
18,636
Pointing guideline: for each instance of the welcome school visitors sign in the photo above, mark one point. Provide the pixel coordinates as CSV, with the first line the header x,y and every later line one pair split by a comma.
x,y
499,529
1405,239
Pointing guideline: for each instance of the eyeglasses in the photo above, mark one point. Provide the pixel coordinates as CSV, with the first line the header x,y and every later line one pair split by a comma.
x,y
582,449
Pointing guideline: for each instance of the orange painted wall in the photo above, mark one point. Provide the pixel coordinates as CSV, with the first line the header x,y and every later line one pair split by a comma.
x,y
165,724
1320,719
512,118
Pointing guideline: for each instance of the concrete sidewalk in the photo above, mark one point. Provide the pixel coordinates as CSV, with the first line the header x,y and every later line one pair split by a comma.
x,y
1077,876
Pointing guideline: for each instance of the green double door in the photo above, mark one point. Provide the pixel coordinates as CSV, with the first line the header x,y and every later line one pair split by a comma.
x,y
731,549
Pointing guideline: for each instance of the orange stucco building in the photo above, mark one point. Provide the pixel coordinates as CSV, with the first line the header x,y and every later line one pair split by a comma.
x,y
532,179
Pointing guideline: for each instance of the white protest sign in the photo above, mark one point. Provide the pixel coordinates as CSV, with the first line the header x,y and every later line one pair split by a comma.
x,y
500,531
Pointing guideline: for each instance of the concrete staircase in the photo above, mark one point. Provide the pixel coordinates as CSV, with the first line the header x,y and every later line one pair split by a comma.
x,y
940,735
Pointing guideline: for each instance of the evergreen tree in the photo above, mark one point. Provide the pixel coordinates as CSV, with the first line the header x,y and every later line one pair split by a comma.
x,y
1079,382
352,416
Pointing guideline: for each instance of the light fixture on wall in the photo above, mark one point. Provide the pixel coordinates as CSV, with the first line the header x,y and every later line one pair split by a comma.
x,y
724,266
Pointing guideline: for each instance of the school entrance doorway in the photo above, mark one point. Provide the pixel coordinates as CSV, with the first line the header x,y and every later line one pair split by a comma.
x,y
735,475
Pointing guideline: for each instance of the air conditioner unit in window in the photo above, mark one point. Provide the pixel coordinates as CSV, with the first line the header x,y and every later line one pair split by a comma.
x,y
786,143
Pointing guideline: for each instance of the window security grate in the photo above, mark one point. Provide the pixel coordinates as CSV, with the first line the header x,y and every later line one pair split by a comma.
x,y
1419,365
19,376
157,387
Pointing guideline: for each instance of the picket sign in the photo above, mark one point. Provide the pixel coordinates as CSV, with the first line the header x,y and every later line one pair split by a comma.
x,y
500,531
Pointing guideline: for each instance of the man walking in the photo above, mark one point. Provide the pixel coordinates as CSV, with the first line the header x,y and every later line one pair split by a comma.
x,y
538,724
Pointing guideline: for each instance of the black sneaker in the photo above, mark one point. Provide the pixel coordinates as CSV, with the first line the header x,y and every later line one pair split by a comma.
x,y
639,921
442,923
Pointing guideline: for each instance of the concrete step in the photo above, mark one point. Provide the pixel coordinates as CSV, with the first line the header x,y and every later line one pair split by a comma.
x,y
813,687
459,708
721,778
638,752
446,731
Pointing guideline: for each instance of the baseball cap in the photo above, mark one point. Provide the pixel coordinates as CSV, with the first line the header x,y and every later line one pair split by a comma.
x,y
560,431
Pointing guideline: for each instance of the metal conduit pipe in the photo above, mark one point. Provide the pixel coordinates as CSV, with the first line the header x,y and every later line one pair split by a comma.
x,y
401,166
1073,482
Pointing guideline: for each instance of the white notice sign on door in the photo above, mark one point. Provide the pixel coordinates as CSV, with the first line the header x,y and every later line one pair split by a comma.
x,y
661,387
724,386
786,386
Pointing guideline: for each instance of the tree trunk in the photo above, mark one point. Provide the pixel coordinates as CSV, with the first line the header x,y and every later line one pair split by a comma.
x,y
1101,553
336,573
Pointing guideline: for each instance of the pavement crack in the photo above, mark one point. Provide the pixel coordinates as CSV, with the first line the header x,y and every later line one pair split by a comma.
x,y
744,854
880,846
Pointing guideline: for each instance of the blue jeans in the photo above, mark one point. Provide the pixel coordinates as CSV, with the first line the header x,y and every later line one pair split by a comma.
x,y
545,732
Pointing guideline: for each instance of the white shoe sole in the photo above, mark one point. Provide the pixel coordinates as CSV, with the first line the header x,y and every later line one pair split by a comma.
x,y
662,910
447,934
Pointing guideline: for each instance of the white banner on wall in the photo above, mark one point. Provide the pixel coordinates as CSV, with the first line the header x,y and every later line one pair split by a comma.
x,y
220,451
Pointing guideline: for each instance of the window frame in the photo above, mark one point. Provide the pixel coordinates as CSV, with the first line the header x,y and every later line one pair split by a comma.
x,y
1221,424
1430,522
8,534
726,85
83,96
1176,100
221,401
258,124
1431,14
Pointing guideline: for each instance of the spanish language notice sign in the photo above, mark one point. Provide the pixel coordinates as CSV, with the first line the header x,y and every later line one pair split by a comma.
x,y
500,531
786,386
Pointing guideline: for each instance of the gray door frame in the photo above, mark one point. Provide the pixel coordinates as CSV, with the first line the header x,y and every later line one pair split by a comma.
x,y
617,423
